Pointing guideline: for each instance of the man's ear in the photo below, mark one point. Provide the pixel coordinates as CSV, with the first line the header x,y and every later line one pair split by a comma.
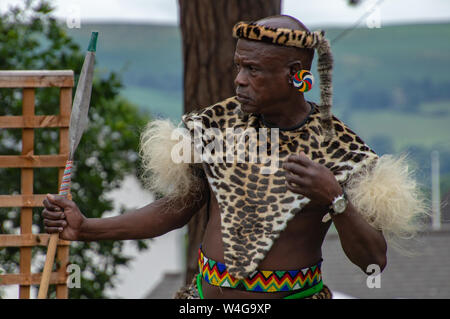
x,y
294,67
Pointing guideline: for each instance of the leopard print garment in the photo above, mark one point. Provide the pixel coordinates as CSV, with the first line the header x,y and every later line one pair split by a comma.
x,y
256,206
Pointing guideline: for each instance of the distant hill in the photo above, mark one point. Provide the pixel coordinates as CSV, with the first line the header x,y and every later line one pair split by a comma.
x,y
392,85
149,58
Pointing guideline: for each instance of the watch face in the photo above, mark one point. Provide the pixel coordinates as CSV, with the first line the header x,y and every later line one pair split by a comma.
x,y
340,205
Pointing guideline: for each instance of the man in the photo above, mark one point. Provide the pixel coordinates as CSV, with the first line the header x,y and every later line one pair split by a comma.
x,y
265,230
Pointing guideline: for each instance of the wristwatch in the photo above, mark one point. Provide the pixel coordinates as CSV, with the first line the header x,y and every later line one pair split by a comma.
x,y
339,204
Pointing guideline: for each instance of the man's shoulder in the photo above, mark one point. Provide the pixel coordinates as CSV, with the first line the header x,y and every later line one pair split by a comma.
x,y
216,111
346,138
343,130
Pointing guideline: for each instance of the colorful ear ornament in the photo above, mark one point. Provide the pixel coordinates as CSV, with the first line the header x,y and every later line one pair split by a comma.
x,y
303,80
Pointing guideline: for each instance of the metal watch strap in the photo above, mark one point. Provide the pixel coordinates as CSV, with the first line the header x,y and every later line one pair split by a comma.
x,y
344,196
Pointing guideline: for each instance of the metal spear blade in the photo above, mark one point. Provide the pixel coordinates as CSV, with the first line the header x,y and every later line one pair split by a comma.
x,y
80,107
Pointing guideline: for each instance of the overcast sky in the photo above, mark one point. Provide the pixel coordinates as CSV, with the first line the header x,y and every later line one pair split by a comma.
x,y
312,13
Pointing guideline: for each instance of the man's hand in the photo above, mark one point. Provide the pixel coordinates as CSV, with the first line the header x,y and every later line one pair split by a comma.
x,y
313,180
62,216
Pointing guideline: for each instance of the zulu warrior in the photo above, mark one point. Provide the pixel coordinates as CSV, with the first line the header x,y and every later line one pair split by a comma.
x,y
267,217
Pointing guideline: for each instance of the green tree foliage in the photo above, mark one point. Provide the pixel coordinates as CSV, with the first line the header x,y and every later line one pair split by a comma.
x,y
31,39
406,96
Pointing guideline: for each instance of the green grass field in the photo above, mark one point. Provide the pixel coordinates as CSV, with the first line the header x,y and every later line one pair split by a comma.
x,y
431,131
161,104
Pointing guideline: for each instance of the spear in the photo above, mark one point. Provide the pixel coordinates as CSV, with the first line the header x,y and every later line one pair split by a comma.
x,y
78,123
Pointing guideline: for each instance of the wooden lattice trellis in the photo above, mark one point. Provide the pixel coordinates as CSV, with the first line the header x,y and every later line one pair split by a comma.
x,y
26,162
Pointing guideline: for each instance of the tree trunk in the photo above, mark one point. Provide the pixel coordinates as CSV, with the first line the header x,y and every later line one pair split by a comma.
x,y
208,50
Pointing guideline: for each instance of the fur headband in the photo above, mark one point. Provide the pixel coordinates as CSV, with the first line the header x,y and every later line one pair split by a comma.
x,y
281,36
300,39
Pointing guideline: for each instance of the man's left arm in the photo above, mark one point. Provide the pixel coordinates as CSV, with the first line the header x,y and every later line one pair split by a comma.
x,y
363,244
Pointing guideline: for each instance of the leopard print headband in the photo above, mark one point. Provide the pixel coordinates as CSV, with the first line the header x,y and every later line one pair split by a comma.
x,y
300,39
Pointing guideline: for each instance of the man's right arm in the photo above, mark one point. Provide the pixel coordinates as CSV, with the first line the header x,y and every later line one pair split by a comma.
x,y
64,217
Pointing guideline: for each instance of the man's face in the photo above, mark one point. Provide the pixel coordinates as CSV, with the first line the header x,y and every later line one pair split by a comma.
x,y
262,76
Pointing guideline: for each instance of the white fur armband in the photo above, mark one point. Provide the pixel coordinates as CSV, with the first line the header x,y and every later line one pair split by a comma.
x,y
160,172
388,197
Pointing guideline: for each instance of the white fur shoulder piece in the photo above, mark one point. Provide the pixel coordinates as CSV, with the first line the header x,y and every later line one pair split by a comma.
x,y
388,197
161,173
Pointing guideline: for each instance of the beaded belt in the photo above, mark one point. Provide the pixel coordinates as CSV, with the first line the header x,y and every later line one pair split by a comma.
x,y
306,279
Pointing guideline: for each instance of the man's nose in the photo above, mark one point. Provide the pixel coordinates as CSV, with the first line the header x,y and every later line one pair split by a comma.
x,y
241,78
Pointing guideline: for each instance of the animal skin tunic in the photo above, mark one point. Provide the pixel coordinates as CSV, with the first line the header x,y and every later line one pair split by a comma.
x,y
254,201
